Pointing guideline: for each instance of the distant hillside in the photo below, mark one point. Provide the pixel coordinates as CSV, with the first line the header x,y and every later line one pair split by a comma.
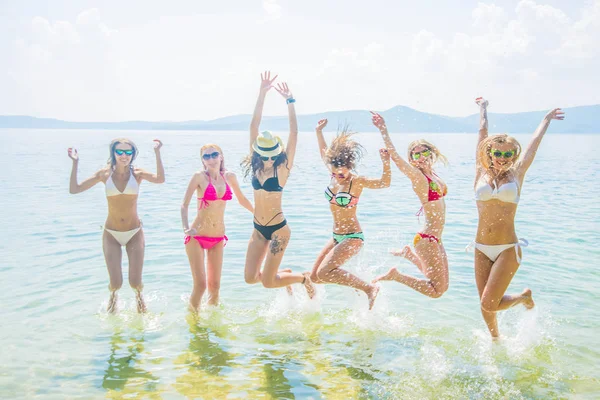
x,y
583,119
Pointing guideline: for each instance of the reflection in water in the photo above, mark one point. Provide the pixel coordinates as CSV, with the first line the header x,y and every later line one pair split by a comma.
x,y
124,375
206,365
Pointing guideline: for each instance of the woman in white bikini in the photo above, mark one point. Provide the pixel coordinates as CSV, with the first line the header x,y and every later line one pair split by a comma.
x,y
429,255
206,238
499,175
123,226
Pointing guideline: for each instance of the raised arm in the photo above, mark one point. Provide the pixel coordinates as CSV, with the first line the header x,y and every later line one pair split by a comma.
x,y
239,195
75,187
386,176
159,177
534,144
192,186
320,139
265,84
290,148
483,119
405,167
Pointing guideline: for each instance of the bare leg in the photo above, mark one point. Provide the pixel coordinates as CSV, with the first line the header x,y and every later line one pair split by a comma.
x,y
495,280
270,276
214,266
329,271
112,256
135,252
257,251
431,259
195,255
328,247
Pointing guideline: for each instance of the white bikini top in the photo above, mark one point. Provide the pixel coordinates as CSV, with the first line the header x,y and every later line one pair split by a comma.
x,y
508,193
132,186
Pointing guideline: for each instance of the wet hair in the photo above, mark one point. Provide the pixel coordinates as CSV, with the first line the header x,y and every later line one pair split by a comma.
x,y
209,145
436,154
253,164
344,151
112,161
484,157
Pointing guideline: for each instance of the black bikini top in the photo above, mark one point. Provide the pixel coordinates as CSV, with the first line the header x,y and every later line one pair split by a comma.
x,y
269,185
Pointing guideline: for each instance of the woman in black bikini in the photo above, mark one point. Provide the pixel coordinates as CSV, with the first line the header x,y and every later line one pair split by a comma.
x,y
270,164
341,158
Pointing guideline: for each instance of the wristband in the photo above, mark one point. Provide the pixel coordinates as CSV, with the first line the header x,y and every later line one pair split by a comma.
x,y
290,100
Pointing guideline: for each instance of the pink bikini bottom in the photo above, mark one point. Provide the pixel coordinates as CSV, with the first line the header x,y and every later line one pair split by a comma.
x,y
207,242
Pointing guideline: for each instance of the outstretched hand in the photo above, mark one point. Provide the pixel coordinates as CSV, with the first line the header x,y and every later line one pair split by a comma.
x,y
481,102
266,82
73,155
384,154
157,144
378,121
321,124
284,90
557,113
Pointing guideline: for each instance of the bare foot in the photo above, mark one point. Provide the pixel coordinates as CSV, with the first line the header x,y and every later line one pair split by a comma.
x,y
391,275
405,252
372,294
308,285
112,303
527,299
141,305
192,309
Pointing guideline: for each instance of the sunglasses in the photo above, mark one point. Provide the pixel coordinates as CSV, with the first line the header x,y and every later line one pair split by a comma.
x,y
207,156
121,152
419,154
341,176
505,154
273,158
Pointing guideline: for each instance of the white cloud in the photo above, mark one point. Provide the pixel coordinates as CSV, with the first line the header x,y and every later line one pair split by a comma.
x,y
272,9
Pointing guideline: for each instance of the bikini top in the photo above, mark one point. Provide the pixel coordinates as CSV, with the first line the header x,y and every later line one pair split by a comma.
x,y
435,192
210,193
132,186
269,185
508,193
342,199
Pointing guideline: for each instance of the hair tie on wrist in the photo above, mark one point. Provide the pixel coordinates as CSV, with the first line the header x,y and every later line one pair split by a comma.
x,y
290,100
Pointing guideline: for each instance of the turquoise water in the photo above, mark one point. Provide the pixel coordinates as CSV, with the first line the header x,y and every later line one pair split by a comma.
x,y
58,342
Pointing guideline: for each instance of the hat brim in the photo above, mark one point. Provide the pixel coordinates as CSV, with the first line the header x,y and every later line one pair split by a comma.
x,y
269,153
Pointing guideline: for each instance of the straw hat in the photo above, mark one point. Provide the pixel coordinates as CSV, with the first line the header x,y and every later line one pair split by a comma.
x,y
267,145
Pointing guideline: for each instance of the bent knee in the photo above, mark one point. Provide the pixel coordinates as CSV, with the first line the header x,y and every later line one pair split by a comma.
x,y
214,287
269,283
251,280
488,305
440,290
314,277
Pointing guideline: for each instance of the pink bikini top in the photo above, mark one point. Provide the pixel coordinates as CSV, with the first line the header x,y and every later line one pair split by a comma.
x,y
210,193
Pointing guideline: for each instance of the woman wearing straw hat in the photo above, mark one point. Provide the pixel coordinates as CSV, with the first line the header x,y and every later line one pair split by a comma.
x,y
270,162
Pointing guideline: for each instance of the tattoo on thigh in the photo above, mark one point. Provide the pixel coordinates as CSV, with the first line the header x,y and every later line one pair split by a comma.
x,y
278,244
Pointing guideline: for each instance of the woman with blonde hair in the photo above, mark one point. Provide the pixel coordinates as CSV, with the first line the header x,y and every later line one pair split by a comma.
x,y
206,238
429,254
123,227
342,194
499,176
269,164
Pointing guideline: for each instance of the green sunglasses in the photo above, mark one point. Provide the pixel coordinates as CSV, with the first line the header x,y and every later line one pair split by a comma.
x,y
506,154
267,158
121,152
419,154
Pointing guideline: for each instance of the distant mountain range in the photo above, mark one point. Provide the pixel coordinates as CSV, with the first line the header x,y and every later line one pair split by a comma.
x,y
583,119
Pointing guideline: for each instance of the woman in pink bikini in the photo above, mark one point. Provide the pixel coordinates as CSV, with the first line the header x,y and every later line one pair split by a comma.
x,y
429,255
500,171
206,236
123,226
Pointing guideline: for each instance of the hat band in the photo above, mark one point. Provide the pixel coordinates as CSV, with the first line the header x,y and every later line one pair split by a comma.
x,y
267,148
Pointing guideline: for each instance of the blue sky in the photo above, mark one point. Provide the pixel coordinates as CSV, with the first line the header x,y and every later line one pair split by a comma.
x,y
126,60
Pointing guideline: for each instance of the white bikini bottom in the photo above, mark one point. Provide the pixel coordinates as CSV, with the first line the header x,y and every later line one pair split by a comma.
x,y
124,237
493,251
